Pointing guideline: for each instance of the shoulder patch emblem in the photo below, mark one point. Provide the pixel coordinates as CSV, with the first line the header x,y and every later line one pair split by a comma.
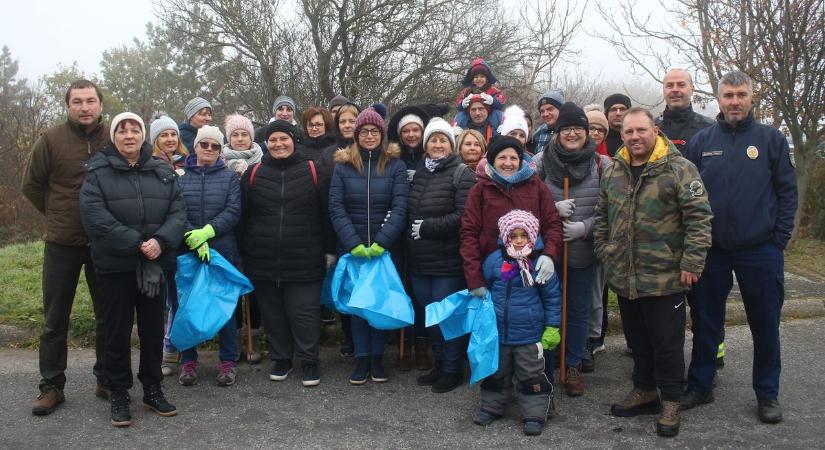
x,y
696,188
752,152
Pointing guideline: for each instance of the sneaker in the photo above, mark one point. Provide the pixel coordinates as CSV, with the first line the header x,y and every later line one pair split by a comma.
x,y
227,372
154,400
429,378
120,409
102,393
692,399
362,368
327,316
770,411
598,346
447,382
668,423
532,427
48,401
637,402
167,365
483,418
188,373
280,370
573,385
588,362
377,369
310,377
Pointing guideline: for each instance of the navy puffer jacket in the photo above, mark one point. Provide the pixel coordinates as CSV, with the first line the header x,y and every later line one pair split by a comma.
x,y
188,133
121,206
213,196
359,202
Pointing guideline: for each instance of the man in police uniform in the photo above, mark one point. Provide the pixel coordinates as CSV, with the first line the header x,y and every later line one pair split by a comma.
x,y
751,184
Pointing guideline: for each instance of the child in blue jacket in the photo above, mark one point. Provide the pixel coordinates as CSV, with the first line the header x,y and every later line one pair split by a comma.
x,y
528,316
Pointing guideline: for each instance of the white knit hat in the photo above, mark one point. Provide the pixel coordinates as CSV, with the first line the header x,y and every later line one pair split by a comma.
x,y
513,120
408,119
209,132
126,116
439,125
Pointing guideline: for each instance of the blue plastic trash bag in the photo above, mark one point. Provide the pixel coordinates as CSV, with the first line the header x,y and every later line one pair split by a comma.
x,y
371,289
326,289
207,296
461,313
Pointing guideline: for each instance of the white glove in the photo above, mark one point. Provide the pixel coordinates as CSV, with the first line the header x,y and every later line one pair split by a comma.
x,y
466,102
573,231
488,99
330,260
410,175
416,229
545,269
566,207
479,292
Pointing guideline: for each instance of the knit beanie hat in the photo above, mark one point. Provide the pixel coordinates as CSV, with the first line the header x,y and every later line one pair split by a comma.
x,y
478,65
126,116
209,132
195,105
439,125
160,125
283,126
616,99
513,120
370,117
553,97
501,143
570,115
518,219
408,119
281,101
338,100
596,117
238,122
478,98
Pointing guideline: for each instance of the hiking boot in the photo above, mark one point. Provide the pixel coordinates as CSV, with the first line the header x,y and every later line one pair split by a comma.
x,y
154,400
310,377
327,316
362,368
227,373
429,378
693,399
47,401
120,409
377,369
167,365
532,427
102,393
668,423
573,385
405,364
483,418
423,360
447,382
280,370
188,373
770,411
637,402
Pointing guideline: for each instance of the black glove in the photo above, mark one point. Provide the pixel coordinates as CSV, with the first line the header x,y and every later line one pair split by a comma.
x,y
149,278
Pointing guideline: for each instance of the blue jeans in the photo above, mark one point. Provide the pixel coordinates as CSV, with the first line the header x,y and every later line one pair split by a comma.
x,y
579,303
228,340
429,289
368,341
760,274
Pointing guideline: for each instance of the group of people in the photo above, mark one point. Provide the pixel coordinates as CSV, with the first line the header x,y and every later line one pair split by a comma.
x,y
660,211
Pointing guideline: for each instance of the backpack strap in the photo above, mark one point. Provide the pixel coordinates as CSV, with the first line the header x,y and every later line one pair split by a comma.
x,y
457,173
314,173
252,175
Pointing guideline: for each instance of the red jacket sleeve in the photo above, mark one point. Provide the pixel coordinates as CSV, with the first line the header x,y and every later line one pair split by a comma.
x,y
471,222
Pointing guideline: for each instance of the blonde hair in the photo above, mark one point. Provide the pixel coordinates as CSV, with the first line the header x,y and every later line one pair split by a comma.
x,y
354,155
157,151
475,134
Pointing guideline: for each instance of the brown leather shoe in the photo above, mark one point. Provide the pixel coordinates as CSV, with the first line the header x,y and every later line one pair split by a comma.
x,y
423,360
102,392
573,385
637,402
668,423
47,401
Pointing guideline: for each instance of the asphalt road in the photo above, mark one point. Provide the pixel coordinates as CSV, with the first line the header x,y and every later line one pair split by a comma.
x,y
258,413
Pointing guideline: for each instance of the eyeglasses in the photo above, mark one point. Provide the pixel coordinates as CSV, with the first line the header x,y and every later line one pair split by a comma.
x,y
207,146
597,130
572,130
315,125
364,132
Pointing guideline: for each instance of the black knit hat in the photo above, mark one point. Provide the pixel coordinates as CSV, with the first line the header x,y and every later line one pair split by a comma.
x,y
616,99
570,115
500,143
280,125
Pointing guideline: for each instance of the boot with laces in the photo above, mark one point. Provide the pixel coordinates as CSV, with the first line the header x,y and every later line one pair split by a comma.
x,y
668,423
154,400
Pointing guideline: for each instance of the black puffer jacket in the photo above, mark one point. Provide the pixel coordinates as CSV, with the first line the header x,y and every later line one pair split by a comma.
x,y
123,206
679,125
312,148
439,202
284,229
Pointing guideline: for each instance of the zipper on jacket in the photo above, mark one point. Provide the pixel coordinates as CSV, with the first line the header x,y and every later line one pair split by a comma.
x,y
508,291
281,225
203,196
140,202
369,175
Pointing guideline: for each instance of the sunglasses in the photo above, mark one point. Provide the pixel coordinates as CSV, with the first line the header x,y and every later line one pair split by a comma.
x,y
207,146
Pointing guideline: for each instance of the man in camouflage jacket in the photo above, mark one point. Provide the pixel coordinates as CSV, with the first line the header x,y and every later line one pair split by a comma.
x,y
651,232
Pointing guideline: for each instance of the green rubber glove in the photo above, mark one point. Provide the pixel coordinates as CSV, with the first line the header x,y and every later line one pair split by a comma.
x,y
195,238
203,252
360,251
375,250
550,338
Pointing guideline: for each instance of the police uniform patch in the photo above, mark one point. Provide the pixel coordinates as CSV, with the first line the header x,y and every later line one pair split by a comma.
x,y
752,152
696,188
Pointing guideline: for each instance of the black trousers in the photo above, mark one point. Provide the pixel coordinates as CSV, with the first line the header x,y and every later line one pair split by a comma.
x,y
291,316
121,292
61,269
655,329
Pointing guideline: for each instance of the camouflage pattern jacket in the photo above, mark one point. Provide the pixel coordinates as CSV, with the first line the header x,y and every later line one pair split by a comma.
x,y
646,234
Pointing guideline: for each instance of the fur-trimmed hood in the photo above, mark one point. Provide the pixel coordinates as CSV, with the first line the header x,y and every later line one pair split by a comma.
x,y
343,155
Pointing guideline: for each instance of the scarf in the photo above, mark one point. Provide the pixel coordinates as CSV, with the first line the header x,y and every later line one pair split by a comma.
x,y
560,163
522,258
433,164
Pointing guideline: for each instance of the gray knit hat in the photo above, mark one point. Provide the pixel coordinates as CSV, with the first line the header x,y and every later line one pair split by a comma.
x,y
338,100
283,100
160,125
195,105
553,97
